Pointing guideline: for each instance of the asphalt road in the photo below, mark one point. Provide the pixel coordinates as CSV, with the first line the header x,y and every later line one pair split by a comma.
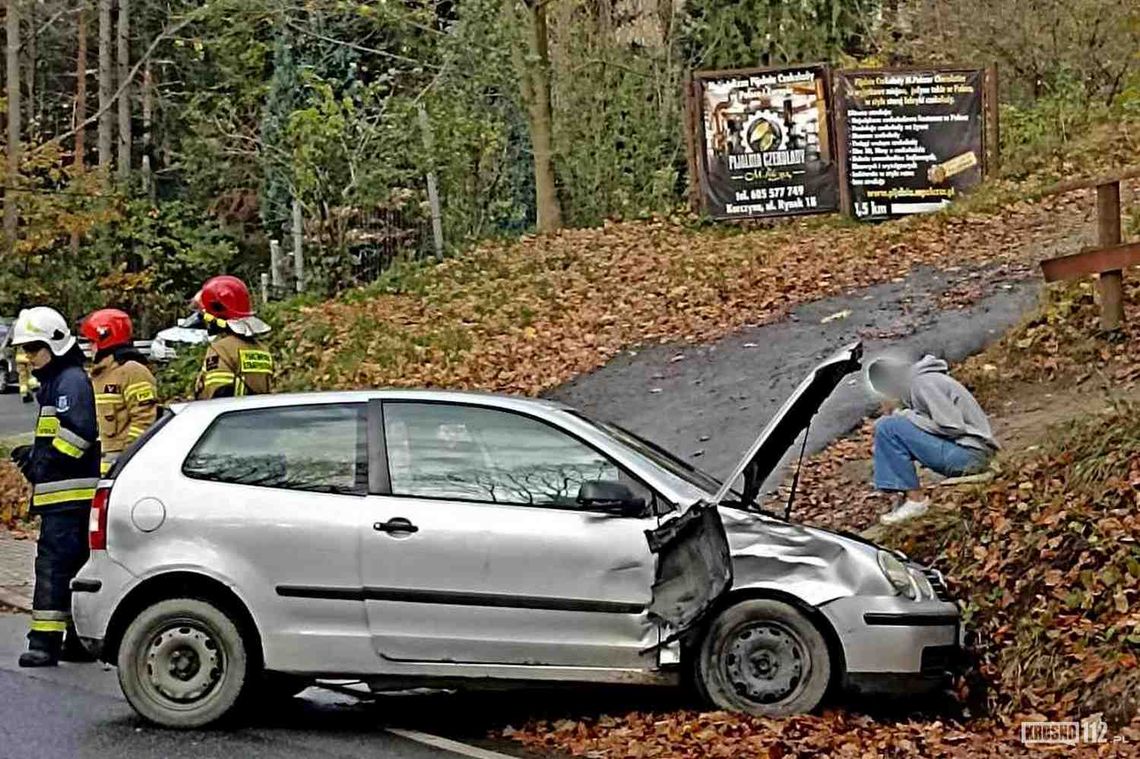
x,y
76,710
707,403
16,417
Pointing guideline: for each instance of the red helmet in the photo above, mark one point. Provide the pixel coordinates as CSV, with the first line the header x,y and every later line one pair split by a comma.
x,y
107,328
224,297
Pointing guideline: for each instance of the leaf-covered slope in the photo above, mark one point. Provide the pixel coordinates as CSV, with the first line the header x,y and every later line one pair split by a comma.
x,y
527,316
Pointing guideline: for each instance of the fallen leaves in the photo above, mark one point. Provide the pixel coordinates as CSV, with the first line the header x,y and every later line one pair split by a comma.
x,y
14,494
527,316
716,735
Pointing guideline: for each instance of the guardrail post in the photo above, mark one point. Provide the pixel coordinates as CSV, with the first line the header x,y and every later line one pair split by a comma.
x,y
1108,234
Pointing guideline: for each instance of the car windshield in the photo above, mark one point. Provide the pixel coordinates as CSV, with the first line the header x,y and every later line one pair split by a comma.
x,y
670,462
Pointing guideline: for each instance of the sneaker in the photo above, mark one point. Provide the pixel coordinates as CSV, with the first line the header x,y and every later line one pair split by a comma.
x,y
908,510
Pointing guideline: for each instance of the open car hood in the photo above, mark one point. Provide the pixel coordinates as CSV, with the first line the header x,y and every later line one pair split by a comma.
x,y
792,419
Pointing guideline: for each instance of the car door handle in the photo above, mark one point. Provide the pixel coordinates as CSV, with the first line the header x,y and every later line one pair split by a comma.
x,y
399,524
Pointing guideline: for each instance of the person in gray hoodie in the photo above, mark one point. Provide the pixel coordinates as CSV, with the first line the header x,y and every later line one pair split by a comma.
x,y
938,424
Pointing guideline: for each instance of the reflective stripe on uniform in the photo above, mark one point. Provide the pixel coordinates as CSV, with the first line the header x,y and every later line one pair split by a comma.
x,y
219,378
135,430
112,398
60,491
56,486
47,411
47,426
50,620
67,442
66,448
63,496
51,615
139,392
75,440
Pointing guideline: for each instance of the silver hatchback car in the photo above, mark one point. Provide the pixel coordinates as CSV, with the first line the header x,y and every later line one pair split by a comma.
x,y
406,538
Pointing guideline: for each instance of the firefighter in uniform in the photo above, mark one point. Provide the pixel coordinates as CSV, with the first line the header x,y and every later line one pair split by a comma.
x,y
63,468
126,396
236,362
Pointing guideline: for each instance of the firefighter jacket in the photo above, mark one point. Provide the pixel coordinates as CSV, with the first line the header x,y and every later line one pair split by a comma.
x,y
64,463
126,399
234,366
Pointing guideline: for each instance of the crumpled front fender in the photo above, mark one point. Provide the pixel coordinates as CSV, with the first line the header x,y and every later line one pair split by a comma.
x,y
813,565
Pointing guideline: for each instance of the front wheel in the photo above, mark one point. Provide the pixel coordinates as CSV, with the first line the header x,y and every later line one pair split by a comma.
x,y
764,657
183,663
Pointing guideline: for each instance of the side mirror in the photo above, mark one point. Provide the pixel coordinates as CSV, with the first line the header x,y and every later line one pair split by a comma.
x,y
612,497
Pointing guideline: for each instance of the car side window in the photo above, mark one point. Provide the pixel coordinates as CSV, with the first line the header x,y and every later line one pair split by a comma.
x,y
320,448
451,451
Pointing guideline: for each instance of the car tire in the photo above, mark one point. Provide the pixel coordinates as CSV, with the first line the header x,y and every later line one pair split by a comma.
x,y
764,657
183,663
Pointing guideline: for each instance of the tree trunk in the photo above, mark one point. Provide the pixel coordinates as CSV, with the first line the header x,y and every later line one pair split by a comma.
x,y
30,69
78,159
534,80
80,88
124,66
11,213
147,135
106,86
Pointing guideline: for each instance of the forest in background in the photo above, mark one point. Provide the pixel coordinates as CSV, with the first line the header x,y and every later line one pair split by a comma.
x,y
152,144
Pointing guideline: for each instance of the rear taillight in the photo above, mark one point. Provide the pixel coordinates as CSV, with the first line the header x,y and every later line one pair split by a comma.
x,y
97,525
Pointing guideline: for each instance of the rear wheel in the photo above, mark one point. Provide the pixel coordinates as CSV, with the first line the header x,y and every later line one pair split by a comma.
x,y
764,657
183,663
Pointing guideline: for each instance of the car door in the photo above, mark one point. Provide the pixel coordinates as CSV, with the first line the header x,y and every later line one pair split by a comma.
x,y
479,552
279,493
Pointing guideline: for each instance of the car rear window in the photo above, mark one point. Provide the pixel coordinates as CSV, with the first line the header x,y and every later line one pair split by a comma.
x,y
319,447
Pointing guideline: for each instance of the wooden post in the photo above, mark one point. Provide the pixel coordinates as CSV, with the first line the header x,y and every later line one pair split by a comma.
x,y
275,265
693,124
1108,234
298,247
991,111
839,107
432,189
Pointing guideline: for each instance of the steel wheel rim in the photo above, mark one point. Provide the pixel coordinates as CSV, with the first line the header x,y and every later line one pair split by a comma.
x,y
766,662
182,664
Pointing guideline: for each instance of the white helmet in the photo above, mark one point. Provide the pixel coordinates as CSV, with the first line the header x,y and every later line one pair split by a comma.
x,y
43,325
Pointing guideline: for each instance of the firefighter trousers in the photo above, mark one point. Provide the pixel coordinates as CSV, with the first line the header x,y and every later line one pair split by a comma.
x,y
60,553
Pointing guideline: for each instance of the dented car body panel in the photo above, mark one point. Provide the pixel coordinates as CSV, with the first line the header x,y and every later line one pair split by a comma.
x,y
694,567
388,583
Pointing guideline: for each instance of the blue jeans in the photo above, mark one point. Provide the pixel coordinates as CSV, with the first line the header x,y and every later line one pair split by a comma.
x,y
899,443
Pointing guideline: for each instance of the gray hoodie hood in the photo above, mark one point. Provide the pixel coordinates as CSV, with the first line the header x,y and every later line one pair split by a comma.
x,y
939,404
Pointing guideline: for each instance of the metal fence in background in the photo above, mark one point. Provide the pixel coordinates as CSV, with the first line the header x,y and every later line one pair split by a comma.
x,y
353,248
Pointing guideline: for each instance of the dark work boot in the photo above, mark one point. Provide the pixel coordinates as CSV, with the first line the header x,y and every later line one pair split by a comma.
x,y
73,650
36,657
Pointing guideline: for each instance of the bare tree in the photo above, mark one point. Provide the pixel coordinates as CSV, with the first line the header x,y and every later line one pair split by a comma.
x,y
124,80
534,81
106,86
12,27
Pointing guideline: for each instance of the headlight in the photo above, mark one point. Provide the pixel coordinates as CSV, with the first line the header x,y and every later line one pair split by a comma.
x,y
925,589
897,574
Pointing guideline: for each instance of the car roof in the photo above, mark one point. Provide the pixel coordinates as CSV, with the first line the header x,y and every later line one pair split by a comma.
x,y
497,400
